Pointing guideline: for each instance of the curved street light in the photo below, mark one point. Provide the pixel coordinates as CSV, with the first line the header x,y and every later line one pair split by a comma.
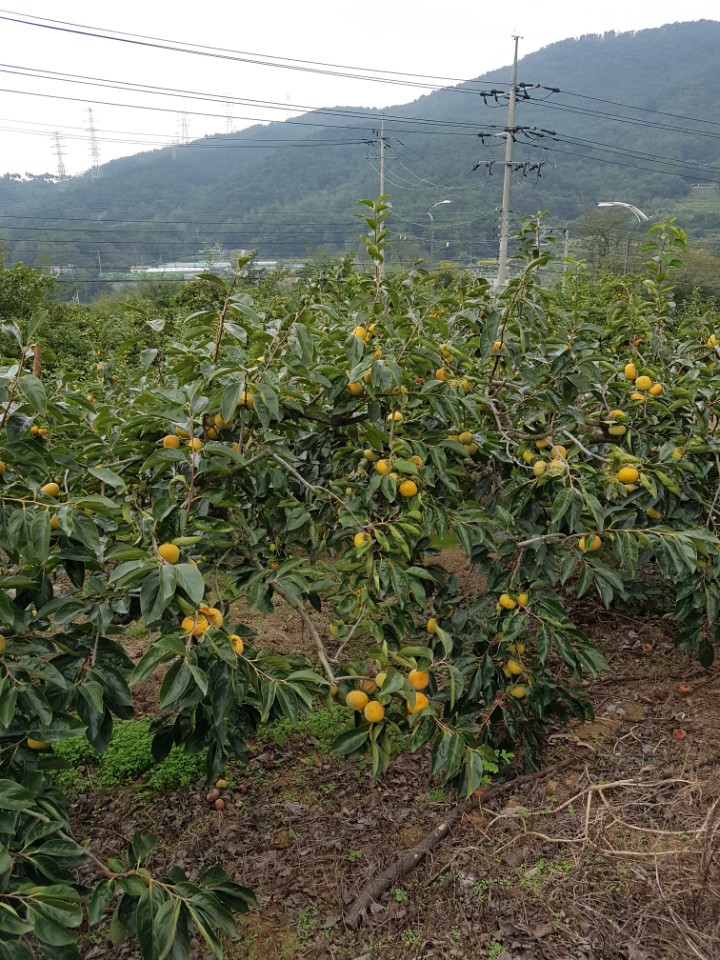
x,y
637,213
432,230
628,206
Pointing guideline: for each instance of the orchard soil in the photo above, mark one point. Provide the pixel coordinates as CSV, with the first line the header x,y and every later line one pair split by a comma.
x,y
614,857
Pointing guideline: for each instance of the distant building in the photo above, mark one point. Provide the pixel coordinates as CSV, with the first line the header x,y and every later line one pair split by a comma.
x,y
188,268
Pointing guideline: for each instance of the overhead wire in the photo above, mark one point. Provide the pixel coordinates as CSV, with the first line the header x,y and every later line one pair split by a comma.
x,y
267,60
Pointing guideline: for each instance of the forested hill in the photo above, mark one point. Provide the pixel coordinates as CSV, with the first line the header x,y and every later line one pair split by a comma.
x,y
632,117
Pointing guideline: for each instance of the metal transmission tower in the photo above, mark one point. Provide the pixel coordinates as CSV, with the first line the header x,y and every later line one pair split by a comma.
x,y
95,169
229,125
57,144
184,136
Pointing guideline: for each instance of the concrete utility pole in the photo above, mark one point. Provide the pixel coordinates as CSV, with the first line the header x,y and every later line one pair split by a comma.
x,y
382,156
432,230
510,133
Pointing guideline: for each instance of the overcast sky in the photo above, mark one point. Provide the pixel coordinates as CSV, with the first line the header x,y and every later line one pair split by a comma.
x,y
452,40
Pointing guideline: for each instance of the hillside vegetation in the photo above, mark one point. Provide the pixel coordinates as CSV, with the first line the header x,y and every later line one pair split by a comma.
x,y
621,127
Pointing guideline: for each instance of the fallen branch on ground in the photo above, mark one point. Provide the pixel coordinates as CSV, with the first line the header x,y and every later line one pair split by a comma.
x,y
407,862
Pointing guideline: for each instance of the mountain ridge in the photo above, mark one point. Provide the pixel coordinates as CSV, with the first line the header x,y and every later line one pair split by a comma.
x,y
289,189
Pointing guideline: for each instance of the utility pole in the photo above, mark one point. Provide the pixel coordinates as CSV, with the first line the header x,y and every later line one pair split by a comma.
x,y
381,267
382,156
510,134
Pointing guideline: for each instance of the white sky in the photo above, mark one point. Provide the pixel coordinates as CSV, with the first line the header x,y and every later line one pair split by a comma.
x,y
457,39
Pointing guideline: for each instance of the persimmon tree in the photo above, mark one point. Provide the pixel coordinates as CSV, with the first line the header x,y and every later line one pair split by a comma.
x,y
324,454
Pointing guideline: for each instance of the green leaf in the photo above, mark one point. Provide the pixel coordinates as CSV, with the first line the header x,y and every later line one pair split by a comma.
x,y
118,930
596,510
100,901
34,392
11,923
174,684
147,357
230,399
8,699
561,504
108,476
166,923
706,653
13,796
47,928
191,581
350,741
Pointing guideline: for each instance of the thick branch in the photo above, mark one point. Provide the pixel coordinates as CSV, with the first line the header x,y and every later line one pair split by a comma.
x,y
322,653
408,861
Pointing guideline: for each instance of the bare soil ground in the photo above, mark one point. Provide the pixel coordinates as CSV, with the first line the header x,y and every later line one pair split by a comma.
x,y
614,857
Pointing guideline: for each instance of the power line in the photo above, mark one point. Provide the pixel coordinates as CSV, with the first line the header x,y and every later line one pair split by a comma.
x,y
268,60
419,122
629,106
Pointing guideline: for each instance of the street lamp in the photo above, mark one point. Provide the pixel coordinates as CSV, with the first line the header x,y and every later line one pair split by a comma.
x,y
639,216
432,230
628,206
